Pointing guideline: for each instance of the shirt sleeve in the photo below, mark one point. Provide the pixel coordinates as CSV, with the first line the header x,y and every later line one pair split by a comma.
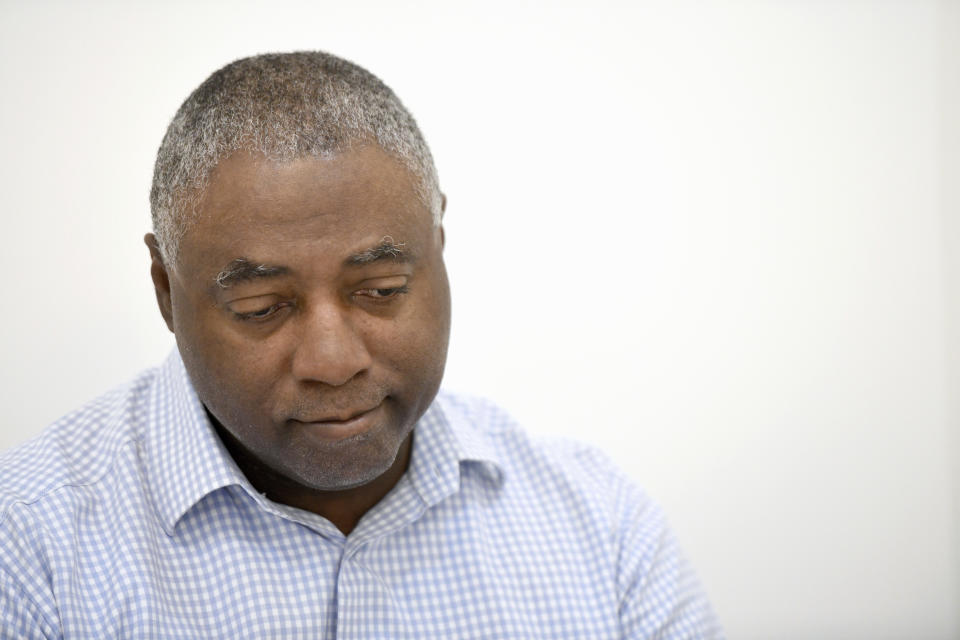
x,y
660,595
27,607
20,618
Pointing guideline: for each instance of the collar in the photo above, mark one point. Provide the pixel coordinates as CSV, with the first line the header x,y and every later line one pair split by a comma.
x,y
447,445
471,441
186,461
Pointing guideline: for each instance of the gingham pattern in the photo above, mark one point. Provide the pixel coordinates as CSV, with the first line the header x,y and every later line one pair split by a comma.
x,y
128,519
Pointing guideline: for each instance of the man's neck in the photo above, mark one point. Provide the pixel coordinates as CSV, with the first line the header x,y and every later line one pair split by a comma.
x,y
343,508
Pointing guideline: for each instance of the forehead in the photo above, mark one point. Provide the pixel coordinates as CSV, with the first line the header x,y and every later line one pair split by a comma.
x,y
251,186
254,207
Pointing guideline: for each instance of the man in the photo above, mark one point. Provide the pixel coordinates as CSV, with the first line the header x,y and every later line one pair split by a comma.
x,y
291,470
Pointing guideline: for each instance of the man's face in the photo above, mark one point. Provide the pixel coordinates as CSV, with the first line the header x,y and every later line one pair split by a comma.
x,y
325,338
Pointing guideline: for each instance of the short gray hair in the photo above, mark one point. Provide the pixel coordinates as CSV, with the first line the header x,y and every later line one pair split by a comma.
x,y
285,106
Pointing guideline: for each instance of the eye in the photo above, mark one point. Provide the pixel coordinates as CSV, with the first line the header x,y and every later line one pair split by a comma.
x,y
261,314
384,293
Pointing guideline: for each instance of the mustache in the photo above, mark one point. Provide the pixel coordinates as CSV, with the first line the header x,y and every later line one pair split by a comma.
x,y
335,405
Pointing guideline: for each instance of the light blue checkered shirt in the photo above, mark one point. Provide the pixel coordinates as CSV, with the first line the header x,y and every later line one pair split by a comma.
x,y
128,519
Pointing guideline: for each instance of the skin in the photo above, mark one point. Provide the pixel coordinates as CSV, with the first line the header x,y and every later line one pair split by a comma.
x,y
315,373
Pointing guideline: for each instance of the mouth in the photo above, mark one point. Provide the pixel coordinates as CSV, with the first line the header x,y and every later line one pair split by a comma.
x,y
342,425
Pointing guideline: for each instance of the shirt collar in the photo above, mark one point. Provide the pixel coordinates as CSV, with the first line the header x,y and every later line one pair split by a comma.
x,y
468,441
186,461
185,458
448,451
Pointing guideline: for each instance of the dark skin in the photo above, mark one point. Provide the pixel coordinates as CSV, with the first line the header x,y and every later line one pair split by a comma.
x,y
343,508
311,308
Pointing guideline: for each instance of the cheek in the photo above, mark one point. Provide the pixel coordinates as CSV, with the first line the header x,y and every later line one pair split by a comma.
x,y
233,386
248,372
230,374
420,346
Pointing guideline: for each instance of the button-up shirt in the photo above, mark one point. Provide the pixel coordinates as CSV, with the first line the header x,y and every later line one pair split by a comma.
x,y
129,519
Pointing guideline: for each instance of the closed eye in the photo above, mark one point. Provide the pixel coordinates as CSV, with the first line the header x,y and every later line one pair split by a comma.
x,y
383,293
261,314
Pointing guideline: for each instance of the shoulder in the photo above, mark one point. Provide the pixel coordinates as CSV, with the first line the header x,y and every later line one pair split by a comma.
x,y
573,492
56,488
77,449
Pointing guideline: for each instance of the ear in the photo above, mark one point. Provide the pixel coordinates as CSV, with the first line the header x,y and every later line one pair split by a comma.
x,y
161,280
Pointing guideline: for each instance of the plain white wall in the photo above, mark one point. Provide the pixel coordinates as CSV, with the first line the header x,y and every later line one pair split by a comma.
x,y
719,240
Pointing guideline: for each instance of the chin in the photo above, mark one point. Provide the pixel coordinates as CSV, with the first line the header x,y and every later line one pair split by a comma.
x,y
347,465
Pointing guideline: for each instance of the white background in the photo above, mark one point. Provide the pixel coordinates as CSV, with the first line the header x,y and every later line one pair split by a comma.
x,y
719,240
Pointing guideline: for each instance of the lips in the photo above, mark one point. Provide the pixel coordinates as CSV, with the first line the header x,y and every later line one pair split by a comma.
x,y
344,416
342,424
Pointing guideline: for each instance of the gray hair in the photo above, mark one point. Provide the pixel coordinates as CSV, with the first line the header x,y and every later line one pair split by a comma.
x,y
285,106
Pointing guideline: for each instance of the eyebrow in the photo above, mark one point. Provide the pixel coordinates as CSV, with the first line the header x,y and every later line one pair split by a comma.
x,y
388,249
243,270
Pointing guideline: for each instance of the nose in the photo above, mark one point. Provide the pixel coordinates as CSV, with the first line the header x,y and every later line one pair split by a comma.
x,y
331,350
